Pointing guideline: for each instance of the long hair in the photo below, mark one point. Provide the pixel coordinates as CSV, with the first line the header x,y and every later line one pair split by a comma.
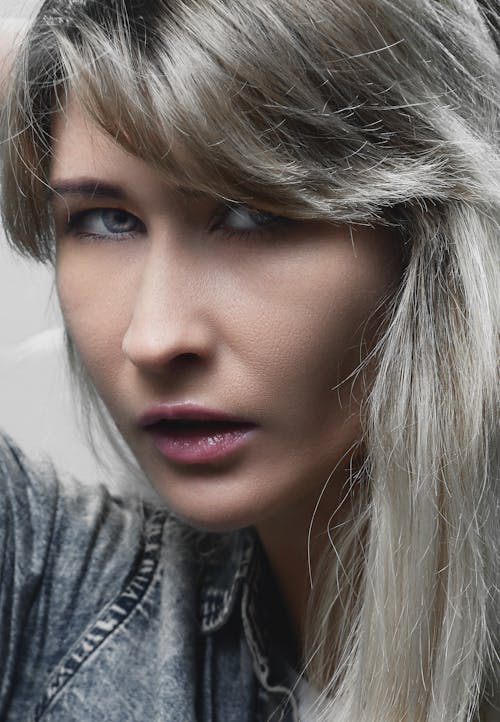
x,y
356,111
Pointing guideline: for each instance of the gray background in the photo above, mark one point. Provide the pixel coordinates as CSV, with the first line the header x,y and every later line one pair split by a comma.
x,y
36,406
18,8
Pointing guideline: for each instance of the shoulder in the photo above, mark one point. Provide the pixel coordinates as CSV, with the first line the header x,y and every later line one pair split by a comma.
x,y
67,551
43,512
79,540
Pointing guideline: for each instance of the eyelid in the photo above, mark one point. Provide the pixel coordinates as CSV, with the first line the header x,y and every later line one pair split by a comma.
x,y
261,223
78,217
270,218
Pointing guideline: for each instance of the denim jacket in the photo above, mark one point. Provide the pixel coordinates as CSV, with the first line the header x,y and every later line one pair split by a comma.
x,y
115,612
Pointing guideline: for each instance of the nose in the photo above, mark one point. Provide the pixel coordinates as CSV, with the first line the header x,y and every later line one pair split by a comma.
x,y
170,319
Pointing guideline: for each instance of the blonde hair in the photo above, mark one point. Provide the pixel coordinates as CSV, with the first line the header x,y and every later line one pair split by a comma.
x,y
360,111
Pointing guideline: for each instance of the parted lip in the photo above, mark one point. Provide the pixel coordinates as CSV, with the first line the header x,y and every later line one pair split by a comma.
x,y
188,412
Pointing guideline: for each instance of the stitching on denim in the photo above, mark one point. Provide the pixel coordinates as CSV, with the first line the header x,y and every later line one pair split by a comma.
x,y
113,617
253,634
216,602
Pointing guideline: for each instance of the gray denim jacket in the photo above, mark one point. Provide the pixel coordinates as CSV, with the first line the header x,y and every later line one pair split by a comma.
x,y
113,613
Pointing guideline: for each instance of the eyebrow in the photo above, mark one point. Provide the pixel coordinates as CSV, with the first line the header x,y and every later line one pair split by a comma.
x,y
90,188
86,187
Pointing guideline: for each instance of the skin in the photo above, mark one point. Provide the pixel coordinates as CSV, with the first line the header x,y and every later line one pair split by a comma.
x,y
266,324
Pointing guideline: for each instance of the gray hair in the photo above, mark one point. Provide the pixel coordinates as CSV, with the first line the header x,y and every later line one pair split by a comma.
x,y
357,111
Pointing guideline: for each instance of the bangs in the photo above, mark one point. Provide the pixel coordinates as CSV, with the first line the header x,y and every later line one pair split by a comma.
x,y
259,103
231,101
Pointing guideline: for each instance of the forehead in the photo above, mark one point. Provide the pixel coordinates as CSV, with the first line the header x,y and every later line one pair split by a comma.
x,y
82,150
80,146
88,163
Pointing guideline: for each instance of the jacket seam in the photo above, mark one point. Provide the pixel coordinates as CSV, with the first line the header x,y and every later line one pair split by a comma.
x,y
114,615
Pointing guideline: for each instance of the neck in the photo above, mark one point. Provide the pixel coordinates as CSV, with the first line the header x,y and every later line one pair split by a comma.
x,y
294,547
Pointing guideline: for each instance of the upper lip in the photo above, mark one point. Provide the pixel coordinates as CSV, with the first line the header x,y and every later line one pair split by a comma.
x,y
187,411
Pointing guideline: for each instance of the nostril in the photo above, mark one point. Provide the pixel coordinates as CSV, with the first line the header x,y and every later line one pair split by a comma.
x,y
153,346
179,367
188,357
185,361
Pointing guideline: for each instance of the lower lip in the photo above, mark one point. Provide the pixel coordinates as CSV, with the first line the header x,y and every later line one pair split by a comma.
x,y
189,446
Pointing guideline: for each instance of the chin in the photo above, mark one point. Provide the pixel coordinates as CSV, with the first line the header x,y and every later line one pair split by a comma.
x,y
213,523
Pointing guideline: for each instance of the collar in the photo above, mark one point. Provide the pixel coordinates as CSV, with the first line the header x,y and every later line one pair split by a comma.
x,y
226,572
237,579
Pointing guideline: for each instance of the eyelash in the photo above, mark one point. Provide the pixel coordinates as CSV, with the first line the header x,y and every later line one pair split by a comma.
x,y
274,222
75,221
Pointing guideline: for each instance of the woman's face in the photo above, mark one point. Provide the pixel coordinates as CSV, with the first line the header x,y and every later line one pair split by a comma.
x,y
221,339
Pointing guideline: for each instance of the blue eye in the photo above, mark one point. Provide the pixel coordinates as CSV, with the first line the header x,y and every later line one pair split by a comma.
x,y
242,218
100,222
240,221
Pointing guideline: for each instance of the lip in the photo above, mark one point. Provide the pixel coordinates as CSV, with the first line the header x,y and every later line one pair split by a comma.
x,y
196,434
194,412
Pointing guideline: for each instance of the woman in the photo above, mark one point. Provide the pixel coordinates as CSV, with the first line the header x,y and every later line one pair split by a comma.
x,y
273,227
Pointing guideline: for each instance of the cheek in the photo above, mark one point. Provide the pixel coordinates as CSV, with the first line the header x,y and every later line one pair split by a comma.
x,y
309,327
95,306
